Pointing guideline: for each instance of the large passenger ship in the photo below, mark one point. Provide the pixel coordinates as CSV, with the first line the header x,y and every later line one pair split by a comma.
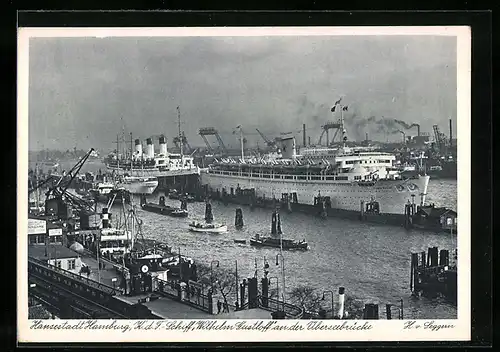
x,y
151,164
348,178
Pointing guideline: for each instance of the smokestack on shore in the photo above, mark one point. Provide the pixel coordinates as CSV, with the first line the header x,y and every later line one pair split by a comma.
x,y
418,130
304,135
366,139
451,134
138,148
163,145
150,149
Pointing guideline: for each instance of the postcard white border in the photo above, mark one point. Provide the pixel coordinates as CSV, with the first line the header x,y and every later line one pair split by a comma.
x,y
383,330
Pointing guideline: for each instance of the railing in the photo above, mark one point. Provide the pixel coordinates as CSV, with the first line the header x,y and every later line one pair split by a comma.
x,y
185,294
105,288
290,310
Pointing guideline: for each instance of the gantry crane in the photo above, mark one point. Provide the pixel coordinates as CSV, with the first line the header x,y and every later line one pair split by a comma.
x,y
211,131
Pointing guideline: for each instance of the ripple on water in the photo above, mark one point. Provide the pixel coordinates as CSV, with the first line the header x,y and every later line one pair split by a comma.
x,y
371,261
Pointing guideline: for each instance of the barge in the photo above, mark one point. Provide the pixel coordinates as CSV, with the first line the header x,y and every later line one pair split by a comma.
x,y
164,209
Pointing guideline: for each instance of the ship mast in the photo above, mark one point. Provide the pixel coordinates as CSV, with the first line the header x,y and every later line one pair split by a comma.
x,y
117,153
342,124
242,144
180,136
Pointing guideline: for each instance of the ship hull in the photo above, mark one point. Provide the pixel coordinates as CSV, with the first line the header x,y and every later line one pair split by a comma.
x,y
257,243
220,229
155,172
147,187
391,194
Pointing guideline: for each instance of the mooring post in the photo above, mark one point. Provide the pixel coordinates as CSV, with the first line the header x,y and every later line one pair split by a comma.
x,y
401,310
388,311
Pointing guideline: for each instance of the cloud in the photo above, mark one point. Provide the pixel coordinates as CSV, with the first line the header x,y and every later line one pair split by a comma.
x,y
91,87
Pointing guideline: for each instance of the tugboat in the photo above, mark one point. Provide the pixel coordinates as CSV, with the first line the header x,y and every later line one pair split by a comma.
x,y
161,208
208,226
269,241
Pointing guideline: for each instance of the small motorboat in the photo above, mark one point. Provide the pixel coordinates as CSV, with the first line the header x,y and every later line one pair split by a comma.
x,y
196,226
208,226
240,241
179,213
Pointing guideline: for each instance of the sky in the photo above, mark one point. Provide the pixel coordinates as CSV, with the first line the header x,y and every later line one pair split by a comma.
x,y
85,91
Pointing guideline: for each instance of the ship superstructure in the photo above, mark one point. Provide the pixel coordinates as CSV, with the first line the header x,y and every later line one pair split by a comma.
x,y
348,177
150,164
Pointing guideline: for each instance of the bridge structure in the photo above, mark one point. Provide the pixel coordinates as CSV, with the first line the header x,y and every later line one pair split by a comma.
x,y
72,296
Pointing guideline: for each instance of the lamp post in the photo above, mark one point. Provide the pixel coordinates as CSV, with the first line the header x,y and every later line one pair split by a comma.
x,y
236,278
277,285
31,302
323,298
280,254
212,273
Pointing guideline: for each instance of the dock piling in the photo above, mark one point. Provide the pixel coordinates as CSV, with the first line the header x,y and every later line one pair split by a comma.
x,y
434,275
371,311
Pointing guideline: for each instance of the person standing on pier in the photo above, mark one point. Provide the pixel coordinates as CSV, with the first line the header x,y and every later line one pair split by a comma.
x,y
219,306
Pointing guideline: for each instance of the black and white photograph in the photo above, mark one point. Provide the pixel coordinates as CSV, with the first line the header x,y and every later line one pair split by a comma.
x,y
234,179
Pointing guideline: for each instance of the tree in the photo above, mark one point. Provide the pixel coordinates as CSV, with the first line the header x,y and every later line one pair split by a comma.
x,y
223,280
305,297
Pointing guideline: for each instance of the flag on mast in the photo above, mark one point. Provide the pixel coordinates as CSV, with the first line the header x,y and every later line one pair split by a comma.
x,y
335,105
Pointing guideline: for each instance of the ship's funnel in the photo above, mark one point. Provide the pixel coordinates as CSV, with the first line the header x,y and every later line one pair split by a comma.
x,y
150,149
163,145
288,148
138,148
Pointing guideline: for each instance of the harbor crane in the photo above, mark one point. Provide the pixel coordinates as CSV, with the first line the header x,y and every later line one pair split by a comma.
x,y
440,139
211,131
269,143
59,190
177,141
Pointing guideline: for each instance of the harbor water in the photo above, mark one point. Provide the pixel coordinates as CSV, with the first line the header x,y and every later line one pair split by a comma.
x,y
371,261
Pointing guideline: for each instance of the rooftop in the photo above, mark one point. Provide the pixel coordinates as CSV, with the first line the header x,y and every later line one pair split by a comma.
x,y
53,251
437,212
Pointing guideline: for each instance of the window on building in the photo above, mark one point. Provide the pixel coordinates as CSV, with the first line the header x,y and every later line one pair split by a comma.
x,y
58,263
33,239
71,264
